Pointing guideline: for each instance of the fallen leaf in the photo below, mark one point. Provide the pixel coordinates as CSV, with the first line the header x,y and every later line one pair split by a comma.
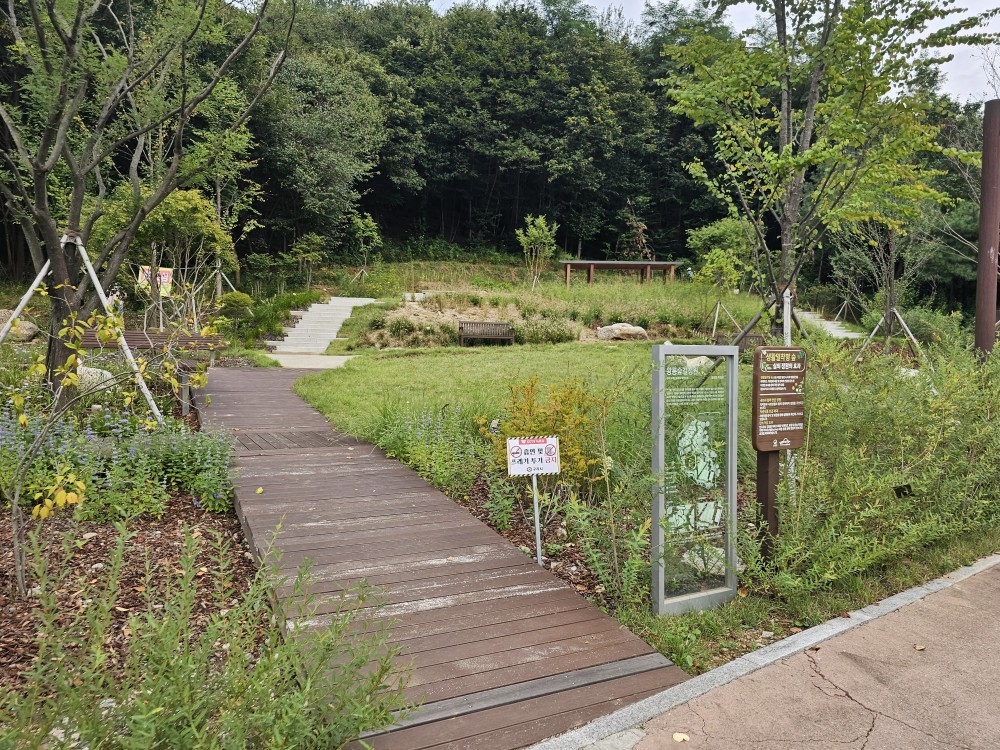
x,y
680,737
260,490
742,592
918,647
140,589
844,614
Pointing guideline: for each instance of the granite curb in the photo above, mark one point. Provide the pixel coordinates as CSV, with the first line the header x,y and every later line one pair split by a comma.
x,y
626,721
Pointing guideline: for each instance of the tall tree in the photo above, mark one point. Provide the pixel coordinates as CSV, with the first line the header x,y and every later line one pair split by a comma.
x,y
105,98
817,119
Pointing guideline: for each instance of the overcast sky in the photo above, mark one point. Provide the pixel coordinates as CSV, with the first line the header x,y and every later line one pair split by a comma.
x,y
964,76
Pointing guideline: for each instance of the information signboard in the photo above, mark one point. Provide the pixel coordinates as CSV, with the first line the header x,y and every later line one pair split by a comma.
x,y
779,374
528,456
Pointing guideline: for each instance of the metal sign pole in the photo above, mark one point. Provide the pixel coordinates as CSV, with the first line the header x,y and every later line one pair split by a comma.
x,y
122,343
538,525
533,456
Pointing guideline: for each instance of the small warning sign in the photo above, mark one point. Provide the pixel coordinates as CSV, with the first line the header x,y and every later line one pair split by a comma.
x,y
532,455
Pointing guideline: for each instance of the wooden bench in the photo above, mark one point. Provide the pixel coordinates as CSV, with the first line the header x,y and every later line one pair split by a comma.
x,y
472,329
157,341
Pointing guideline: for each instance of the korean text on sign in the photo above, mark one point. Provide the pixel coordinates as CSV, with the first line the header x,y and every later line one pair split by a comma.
x,y
532,455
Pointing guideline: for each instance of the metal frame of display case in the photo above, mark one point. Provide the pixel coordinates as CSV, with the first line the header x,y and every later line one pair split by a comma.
x,y
662,604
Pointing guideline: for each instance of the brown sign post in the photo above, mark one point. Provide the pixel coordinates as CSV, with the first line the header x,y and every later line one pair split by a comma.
x,y
779,374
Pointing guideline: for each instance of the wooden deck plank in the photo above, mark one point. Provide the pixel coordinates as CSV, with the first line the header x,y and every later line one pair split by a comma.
x,y
518,724
465,704
503,652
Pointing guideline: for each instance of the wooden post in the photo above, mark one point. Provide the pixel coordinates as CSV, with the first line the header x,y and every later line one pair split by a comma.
x,y
590,274
649,275
989,231
672,269
568,267
767,498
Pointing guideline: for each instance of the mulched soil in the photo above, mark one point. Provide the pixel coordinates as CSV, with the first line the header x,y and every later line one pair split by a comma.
x,y
158,541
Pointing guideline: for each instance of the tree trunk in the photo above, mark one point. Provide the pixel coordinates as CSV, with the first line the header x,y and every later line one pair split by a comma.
x,y
58,350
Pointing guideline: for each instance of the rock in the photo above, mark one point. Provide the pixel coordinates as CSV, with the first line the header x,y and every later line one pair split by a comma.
x,y
561,533
88,536
706,559
621,332
767,634
23,329
97,567
92,378
696,363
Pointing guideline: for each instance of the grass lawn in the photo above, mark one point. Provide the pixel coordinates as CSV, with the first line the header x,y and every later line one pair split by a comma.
x,y
474,378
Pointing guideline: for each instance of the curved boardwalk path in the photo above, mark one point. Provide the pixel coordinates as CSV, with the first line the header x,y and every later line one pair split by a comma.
x,y
501,653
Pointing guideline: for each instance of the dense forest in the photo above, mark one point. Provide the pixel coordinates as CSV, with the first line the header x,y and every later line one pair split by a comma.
x,y
447,129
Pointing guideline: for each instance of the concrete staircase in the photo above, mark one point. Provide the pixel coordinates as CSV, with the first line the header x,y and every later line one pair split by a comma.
x,y
317,326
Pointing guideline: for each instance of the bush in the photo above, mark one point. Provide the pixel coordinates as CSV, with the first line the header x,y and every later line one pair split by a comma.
x,y
227,678
401,327
933,327
443,445
896,462
235,305
544,331
126,466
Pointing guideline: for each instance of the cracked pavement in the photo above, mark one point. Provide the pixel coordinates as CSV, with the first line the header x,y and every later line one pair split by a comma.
x,y
921,678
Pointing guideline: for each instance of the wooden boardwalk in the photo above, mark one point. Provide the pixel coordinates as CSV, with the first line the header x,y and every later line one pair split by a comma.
x,y
501,654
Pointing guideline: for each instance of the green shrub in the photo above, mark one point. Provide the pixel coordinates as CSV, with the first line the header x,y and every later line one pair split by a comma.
x,y
448,334
401,327
933,327
226,678
235,305
543,331
442,445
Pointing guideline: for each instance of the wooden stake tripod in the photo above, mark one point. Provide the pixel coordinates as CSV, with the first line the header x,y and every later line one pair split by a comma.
x,y
914,345
719,308
122,344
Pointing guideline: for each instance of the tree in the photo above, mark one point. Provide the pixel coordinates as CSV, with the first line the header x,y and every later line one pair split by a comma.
x,y
105,97
319,129
817,119
538,242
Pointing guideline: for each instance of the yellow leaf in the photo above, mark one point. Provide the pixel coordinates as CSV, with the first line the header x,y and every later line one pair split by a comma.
x,y
34,511
23,420
61,498
72,498
260,490
43,512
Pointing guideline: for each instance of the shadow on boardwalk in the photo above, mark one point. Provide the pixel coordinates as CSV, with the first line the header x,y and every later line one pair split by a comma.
x,y
501,653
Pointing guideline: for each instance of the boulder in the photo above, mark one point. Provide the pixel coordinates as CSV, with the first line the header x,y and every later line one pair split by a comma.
x,y
621,332
697,363
23,330
92,378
